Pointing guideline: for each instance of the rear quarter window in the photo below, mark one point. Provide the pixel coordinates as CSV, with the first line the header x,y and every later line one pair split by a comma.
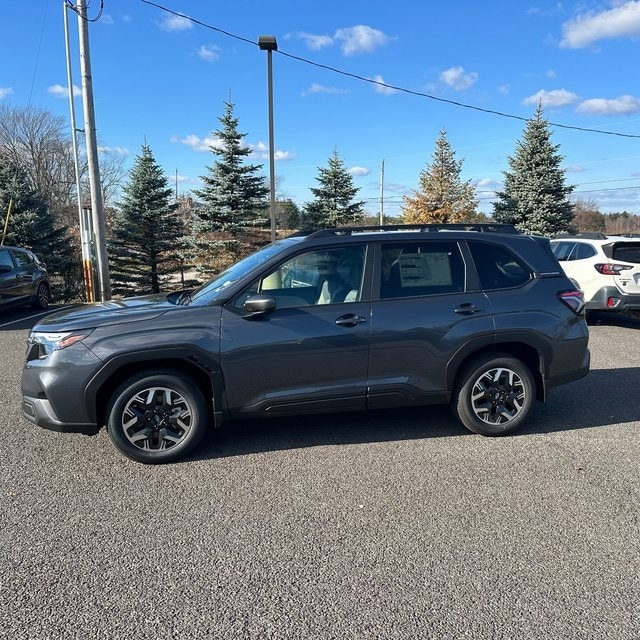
x,y
497,267
563,251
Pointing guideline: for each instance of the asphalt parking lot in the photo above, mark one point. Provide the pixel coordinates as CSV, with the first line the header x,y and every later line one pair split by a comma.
x,y
388,525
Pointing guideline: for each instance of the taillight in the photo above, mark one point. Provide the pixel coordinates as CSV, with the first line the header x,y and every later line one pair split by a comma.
x,y
611,269
574,299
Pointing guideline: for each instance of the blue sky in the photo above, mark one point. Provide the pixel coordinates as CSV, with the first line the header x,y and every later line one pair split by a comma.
x,y
163,78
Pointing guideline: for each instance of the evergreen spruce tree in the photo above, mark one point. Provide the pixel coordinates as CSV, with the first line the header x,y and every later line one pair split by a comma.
x,y
535,197
334,203
146,231
30,222
234,202
443,196
288,214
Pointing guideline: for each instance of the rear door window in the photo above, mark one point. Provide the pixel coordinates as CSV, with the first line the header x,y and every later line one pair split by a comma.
x,y
410,269
22,259
584,251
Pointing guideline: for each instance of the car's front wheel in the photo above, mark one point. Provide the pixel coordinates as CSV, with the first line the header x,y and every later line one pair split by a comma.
x,y
157,417
494,395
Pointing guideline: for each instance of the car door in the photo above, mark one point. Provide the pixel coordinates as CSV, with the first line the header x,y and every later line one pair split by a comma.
x,y
9,285
24,274
307,355
427,314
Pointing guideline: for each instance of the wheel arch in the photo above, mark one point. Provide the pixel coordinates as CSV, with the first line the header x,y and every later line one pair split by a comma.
x,y
103,385
527,353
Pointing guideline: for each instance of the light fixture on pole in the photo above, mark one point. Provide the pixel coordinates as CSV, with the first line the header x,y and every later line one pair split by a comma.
x,y
269,44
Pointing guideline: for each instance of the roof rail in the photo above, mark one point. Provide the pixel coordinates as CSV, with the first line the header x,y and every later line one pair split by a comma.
x,y
479,227
593,235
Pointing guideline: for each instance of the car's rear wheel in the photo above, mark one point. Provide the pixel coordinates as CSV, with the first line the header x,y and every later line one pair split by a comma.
x,y
494,395
41,299
157,417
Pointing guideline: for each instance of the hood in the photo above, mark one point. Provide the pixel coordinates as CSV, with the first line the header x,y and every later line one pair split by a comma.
x,y
100,314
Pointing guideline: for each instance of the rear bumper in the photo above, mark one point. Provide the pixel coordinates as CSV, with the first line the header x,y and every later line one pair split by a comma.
x,y
624,301
573,374
41,413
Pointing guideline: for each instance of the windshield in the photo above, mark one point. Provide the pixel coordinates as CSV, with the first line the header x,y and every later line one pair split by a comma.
x,y
214,288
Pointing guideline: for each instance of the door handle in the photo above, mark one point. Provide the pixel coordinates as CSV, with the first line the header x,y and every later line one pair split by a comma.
x,y
467,308
350,320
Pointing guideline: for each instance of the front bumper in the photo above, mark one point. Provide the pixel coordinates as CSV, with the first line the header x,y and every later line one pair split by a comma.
x,y
53,390
41,413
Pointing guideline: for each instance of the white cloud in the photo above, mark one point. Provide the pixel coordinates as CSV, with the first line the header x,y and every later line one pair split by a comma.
x,y
621,106
360,39
209,52
176,23
117,151
359,171
5,91
587,28
387,91
553,98
458,79
59,91
197,143
315,42
319,88
261,151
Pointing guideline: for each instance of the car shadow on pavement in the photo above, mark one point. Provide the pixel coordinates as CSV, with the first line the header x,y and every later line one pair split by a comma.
x,y
601,399
599,318
273,434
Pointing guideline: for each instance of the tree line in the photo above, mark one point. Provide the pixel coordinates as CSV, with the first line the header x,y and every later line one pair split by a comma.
x,y
157,241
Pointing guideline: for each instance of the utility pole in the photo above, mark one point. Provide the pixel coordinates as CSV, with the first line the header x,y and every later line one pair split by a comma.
x,y
86,239
97,205
382,193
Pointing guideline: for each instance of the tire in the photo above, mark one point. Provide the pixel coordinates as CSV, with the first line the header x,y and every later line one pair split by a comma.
x,y
495,395
157,417
41,299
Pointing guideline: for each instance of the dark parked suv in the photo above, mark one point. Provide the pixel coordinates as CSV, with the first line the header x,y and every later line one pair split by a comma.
x,y
23,279
478,316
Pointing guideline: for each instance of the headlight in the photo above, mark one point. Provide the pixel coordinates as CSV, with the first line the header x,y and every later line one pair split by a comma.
x,y
40,344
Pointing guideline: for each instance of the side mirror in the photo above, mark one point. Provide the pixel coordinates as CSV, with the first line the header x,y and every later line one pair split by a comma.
x,y
260,304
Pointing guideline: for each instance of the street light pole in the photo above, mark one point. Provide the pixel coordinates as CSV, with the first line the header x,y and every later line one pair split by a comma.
x,y
269,44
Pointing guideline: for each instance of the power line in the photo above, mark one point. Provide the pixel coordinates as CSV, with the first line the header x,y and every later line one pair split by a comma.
x,y
73,7
386,85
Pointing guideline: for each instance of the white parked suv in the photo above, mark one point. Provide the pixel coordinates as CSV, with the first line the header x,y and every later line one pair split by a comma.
x,y
607,269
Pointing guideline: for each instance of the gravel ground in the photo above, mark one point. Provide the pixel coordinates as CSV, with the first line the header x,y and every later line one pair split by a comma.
x,y
396,524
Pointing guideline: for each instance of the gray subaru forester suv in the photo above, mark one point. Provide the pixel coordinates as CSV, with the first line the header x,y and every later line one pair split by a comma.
x,y
478,316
